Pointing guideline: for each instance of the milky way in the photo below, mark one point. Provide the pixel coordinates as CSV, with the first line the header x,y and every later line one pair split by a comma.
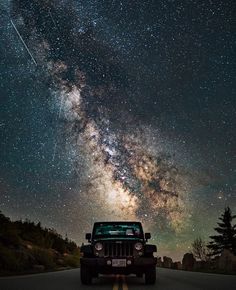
x,y
125,177
128,127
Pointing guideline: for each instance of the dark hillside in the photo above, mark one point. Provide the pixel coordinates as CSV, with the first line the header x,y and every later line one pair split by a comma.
x,y
28,247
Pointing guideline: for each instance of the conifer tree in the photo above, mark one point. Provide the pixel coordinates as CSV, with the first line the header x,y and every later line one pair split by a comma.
x,y
226,238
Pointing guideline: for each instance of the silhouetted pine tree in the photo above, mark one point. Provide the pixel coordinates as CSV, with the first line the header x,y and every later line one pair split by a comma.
x,y
226,238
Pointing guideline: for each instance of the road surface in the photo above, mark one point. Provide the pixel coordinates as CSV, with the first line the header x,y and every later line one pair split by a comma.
x,y
167,280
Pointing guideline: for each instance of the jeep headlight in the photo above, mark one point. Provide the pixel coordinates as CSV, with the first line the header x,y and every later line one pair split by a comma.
x,y
98,246
138,246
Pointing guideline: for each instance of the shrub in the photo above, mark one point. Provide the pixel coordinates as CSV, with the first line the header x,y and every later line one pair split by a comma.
x,y
43,257
72,261
8,259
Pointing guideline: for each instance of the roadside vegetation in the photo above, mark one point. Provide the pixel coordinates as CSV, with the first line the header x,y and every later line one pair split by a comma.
x,y
27,247
216,256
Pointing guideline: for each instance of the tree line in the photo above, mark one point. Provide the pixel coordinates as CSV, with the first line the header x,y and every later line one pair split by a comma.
x,y
224,239
11,233
26,246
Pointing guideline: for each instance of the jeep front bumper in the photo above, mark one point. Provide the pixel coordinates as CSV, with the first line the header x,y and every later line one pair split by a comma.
x,y
133,265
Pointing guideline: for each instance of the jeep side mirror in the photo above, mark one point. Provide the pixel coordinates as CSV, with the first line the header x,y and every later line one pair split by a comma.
x,y
147,236
88,237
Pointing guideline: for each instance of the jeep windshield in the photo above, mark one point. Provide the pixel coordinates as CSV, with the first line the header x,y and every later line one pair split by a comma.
x,y
118,230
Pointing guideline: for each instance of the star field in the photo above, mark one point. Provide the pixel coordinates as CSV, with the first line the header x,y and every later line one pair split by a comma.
x,y
119,110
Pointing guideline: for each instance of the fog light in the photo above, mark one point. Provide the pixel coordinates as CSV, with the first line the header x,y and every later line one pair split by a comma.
x,y
128,262
108,262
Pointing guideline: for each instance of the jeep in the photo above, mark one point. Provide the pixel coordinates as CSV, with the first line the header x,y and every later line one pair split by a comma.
x,y
118,248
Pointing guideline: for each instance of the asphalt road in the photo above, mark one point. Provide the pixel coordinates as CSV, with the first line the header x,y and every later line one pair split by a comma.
x,y
167,279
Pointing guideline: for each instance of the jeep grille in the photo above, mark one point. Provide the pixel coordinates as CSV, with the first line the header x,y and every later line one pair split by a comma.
x,y
118,249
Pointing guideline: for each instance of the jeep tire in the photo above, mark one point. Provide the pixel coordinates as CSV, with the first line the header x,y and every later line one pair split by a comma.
x,y
85,275
150,275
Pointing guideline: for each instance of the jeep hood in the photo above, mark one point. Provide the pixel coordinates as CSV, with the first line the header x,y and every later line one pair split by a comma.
x,y
129,239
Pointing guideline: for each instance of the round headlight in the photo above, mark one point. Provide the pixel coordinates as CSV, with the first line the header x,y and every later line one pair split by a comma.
x,y
138,246
98,246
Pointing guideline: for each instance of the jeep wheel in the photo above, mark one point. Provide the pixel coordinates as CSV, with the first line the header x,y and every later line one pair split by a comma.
x,y
85,275
150,276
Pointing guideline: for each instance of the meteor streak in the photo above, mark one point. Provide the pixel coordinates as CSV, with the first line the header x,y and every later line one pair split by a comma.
x,y
59,116
122,177
54,22
23,42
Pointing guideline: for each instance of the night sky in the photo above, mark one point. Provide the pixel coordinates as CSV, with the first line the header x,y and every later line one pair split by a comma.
x,y
119,110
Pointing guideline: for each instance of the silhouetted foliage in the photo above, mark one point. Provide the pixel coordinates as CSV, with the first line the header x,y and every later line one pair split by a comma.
x,y
43,257
24,244
226,238
199,249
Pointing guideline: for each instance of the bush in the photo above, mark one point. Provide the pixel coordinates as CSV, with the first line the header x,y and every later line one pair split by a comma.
x,y
43,257
8,259
9,235
72,261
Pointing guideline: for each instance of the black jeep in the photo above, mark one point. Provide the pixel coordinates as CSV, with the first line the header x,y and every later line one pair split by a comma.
x,y
118,248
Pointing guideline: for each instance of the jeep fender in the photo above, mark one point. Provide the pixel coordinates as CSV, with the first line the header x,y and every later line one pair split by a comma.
x,y
150,249
87,250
